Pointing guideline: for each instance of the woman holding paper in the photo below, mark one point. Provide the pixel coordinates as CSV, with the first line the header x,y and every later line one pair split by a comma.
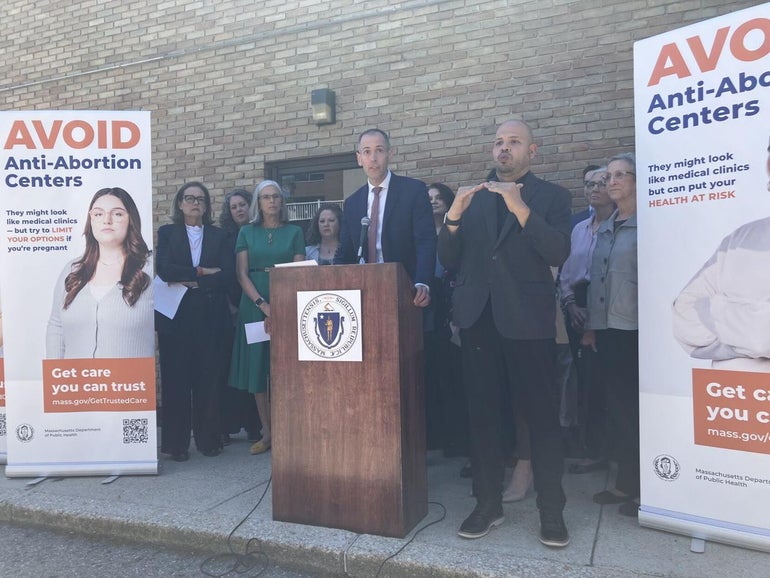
x,y
267,241
101,306
193,362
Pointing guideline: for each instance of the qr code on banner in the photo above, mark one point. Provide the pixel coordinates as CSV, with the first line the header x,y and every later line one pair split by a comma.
x,y
135,431
2,425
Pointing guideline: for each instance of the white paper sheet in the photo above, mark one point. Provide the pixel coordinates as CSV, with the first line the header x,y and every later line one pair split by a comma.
x,y
306,263
167,296
255,332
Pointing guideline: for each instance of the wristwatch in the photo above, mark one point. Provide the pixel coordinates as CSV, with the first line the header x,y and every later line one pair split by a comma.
x,y
448,221
259,301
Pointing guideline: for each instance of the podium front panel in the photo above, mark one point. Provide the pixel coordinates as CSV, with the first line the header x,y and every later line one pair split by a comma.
x,y
348,447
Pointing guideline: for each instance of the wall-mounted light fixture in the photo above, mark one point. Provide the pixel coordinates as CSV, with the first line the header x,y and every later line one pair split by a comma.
x,y
322,101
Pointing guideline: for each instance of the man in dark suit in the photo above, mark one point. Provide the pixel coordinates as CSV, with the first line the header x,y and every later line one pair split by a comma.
x,y
502,237
402,228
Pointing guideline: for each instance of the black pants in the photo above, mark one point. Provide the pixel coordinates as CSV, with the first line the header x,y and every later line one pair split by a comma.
x,y
618,355
192,372
592,405
446,418
492,364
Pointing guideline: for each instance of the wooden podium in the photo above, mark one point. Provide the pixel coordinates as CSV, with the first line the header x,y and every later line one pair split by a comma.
x,y
348,445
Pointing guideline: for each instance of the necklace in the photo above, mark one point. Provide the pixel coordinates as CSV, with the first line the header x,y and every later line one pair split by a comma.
x,y
106,264
270,231
328,252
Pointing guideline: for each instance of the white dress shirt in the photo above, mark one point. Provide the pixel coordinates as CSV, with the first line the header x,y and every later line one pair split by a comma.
x,y
381,213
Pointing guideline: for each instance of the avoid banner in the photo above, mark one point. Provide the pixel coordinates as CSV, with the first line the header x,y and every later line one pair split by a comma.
x,y
76,257
702,111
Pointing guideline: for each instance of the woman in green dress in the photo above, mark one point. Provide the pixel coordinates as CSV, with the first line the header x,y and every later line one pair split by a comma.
x,y
267,241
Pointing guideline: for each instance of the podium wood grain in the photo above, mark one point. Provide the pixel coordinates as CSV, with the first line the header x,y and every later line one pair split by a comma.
x,y
348,446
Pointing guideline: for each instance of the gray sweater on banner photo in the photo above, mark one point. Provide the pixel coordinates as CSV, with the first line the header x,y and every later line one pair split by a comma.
x,y
103,328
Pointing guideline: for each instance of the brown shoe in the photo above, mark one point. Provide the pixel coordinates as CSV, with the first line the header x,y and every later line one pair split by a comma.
x,y
260,447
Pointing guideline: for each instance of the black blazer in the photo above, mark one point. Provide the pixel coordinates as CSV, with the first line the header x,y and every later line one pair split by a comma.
x,y
206,305
408,233
513,269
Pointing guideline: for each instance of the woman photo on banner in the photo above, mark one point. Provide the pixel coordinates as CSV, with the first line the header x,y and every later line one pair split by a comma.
x,y
101,305
723,313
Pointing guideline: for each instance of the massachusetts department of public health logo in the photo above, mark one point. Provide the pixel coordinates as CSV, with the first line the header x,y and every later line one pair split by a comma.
x,y
666,467
329,325
25,432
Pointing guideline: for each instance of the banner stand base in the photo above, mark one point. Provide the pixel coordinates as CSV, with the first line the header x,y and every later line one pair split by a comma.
x,y
698,545
730,534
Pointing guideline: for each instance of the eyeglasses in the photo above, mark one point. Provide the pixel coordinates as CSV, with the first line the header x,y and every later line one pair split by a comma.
x,y
116,215
595,184
193,200
620,175
273,197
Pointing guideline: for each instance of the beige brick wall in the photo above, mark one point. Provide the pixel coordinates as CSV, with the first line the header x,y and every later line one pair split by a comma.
x,y
229,81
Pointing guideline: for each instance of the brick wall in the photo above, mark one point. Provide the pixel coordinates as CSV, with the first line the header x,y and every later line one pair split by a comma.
x,y
229,81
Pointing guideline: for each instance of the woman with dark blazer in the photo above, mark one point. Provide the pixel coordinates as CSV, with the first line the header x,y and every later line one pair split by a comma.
x,y
194,253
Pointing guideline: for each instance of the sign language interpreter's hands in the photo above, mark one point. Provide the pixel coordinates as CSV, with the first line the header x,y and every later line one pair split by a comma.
x,y
462,201
511,193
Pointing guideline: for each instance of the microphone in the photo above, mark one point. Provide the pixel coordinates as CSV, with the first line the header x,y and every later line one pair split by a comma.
x,y
365,222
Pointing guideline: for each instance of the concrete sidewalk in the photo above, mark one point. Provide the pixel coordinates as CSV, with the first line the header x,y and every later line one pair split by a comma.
x,y
198,503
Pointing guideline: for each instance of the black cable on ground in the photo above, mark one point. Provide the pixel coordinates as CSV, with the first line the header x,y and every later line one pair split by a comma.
x,y
401,549
221,565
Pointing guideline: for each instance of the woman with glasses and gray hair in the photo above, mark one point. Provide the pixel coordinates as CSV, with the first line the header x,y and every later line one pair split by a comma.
x,y
268,240
194,253
613,329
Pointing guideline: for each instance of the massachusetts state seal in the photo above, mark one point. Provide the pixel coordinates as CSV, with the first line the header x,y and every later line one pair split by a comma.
x,y
329,325
25,432
666,467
